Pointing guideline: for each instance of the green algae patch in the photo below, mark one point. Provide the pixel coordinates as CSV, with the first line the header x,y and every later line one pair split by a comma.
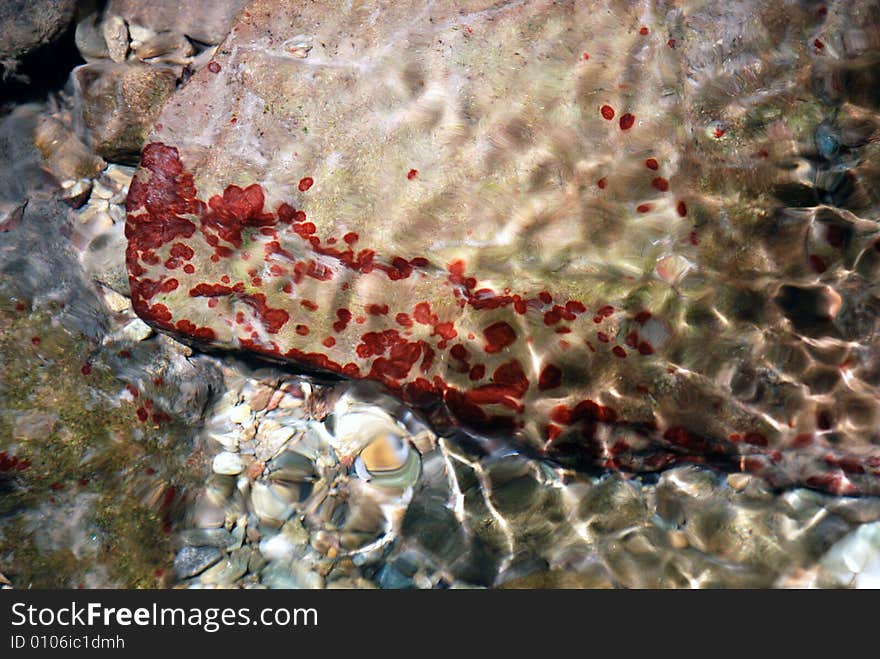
x,y
74,448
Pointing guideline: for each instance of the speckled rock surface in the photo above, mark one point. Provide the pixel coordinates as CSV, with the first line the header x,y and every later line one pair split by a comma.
x,y
28,24
571,224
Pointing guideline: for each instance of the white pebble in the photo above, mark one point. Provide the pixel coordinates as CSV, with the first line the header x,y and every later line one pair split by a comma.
x,y
228,464
240,414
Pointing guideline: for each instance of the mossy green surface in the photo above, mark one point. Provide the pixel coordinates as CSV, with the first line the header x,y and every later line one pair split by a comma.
x,y
77,433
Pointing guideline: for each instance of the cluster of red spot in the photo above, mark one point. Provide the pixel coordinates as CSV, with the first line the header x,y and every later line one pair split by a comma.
x,y
12,463
586,414
166,195
163,208
147,411
659,183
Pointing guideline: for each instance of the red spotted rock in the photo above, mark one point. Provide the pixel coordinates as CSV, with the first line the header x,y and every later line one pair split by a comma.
x,y
276,211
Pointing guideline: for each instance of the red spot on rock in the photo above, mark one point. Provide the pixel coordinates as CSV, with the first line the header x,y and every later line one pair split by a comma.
x,y
376,309
344,316
718,133
232,212
10,462
607,112
477,372
651,163
411,174
818,44
210,290
213,67
627,120
498,336
329,342
660,183
618,352
681,208
553,316
422,314
643,31
445,330
302,330
351,238
35,340
755,439
643,208
182,251
305,183
186,326
671,43
142,414
86,369
550,377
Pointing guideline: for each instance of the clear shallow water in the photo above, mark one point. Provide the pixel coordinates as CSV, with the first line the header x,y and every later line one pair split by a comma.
x,y
738,210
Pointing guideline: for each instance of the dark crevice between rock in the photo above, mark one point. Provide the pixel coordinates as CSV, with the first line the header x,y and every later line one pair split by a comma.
x,y
39,73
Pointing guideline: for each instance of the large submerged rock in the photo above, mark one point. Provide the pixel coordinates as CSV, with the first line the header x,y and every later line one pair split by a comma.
x,y
628,235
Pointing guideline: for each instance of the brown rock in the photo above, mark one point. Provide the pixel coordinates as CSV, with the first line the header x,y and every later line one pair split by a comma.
x,y
66,156
206,21
27,24
119,103
115,33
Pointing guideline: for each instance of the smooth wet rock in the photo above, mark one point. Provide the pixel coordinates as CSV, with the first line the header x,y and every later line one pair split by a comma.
x,y
270,503
190,561
230,568
854,559
205,537
227,463
169,46
119,102
295,575
90,38
66,156
206,21
115,33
